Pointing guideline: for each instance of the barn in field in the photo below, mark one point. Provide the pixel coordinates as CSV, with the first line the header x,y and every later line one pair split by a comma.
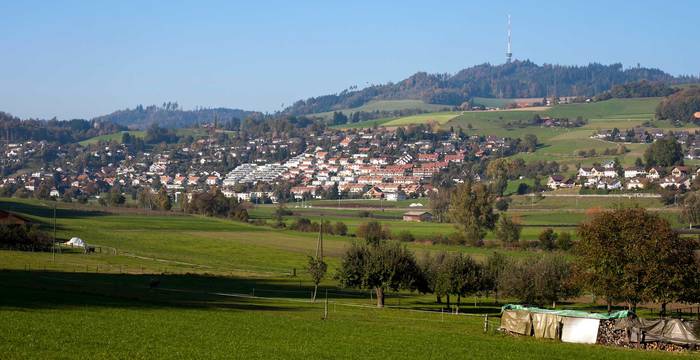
x,y
417,216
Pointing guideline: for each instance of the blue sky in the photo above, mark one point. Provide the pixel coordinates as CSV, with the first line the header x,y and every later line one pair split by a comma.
x,y
79,59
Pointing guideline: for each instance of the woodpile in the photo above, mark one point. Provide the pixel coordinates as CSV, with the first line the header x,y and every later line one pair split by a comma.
x,y
608,335
664,346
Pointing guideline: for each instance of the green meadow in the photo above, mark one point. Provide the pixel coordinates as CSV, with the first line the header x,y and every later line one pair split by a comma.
x,y
233,290
115,137
387,105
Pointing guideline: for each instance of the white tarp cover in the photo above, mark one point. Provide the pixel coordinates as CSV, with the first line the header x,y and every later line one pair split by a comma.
x,y
76,242
579,330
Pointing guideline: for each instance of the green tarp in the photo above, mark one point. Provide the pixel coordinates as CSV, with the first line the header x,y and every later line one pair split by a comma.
x,y
569,313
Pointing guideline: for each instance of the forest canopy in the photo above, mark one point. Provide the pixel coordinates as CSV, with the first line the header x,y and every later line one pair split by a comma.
x,y
680,106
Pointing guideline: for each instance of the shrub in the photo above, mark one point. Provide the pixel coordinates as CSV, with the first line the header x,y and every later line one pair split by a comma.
x,y
305,225
21,237
364,214
502,204
340,228
547,239
564,241
373,232
405,236
523,189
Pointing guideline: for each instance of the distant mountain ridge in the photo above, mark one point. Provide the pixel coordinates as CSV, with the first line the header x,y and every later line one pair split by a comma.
x,y
519,79
170,115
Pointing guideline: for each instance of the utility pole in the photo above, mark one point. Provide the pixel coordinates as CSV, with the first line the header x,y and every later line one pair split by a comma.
x,y
319,245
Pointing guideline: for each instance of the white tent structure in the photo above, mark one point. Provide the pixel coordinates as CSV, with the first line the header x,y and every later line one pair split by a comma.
x,y
76,242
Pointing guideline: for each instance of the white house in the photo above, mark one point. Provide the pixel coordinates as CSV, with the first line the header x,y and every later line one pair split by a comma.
x,y
635,184
634,172
653,174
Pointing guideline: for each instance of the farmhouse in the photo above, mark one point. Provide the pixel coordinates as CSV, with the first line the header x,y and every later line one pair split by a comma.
x,y
374,193
558,181
417,216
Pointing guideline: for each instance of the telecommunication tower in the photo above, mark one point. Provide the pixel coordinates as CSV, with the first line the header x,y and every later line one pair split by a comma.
x,y
509,53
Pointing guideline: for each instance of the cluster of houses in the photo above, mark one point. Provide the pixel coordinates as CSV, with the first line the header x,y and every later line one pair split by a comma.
x,y
690,140
371,163
607,177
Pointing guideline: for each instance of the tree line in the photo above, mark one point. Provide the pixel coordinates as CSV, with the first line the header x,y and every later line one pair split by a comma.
x,y
637,89
626,255
680,106
518,79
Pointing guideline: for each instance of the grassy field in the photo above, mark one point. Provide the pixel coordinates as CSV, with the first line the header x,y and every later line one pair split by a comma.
x,y
65,315
227,290
364,124
493,102
117,136
558,144
439,117
563,145
387,105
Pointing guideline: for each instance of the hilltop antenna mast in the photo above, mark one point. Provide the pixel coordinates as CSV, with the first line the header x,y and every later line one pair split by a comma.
x,y
509,53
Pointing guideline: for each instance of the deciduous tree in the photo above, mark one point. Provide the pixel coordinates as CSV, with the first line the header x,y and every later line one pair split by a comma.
x,y
379,266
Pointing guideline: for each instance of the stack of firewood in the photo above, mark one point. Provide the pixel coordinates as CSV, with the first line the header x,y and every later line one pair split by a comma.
x,y
664,346
608,335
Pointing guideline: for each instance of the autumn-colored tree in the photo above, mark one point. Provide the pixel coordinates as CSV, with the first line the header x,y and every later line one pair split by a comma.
x,y
634,255
163,200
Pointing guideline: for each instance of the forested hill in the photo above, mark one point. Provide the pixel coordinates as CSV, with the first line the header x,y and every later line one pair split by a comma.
x,y
170,115
519,79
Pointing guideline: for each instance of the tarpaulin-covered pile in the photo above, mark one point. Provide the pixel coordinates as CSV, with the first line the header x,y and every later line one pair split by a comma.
x,y
565,325
76,242
674,331
618,328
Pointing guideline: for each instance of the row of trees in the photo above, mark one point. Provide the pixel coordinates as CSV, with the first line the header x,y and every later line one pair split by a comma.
x,y
627,255
389,266
637,89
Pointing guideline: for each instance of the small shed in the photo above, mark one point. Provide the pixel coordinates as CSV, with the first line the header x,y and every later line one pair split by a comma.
x,y
417,216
